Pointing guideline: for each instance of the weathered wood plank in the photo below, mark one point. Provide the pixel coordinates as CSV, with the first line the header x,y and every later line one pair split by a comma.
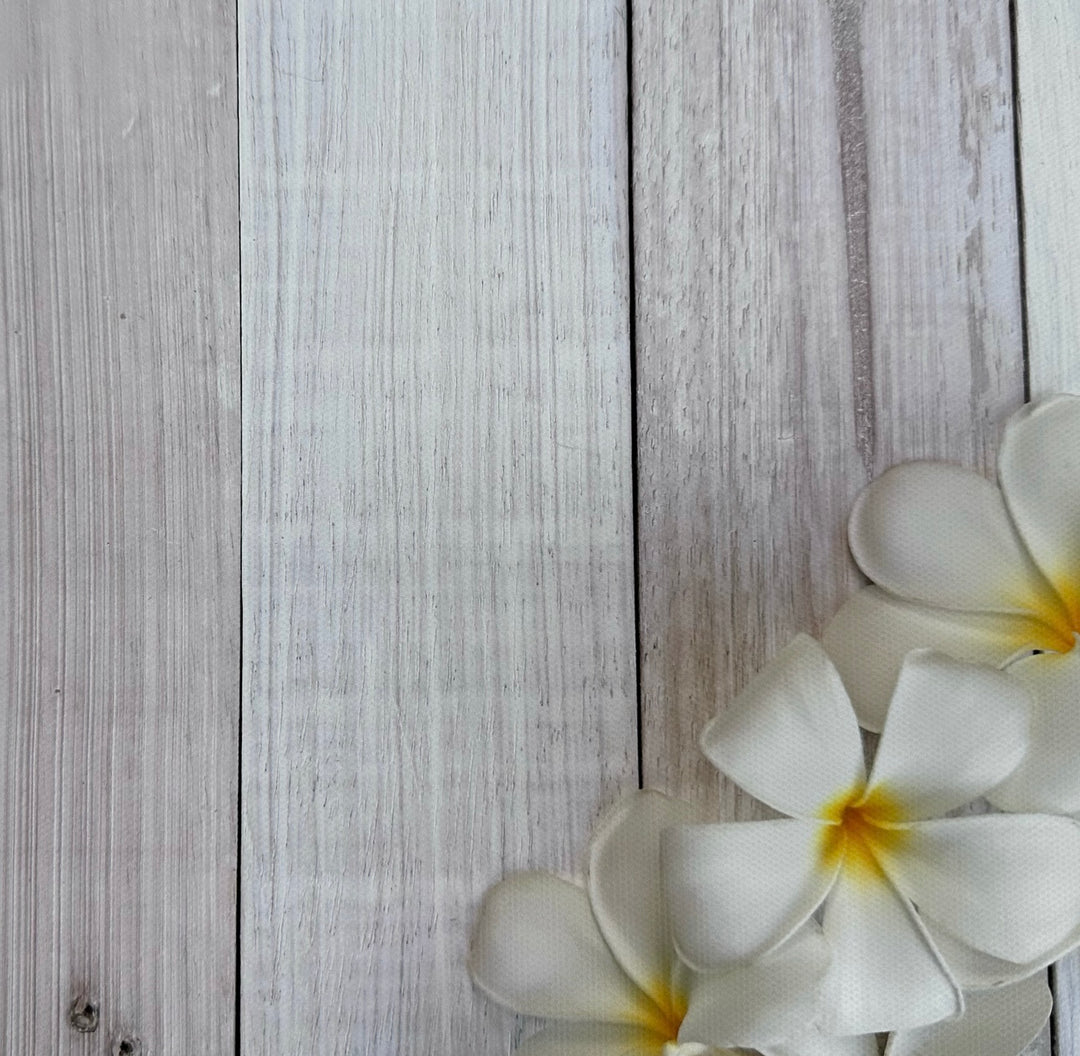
x,y
826,268
119,572
1048,50
439,672
1048,54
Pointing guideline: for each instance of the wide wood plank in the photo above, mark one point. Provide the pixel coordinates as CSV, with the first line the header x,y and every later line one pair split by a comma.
x,y
1048,51
827,283
119,575
439,671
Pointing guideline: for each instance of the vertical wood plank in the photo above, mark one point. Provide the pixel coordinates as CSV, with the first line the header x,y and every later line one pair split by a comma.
x,y
1048,50
827,283
439,670
119,575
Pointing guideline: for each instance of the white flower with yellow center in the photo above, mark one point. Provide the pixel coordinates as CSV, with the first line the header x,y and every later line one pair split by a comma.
x,y
985,574
899,884
601,960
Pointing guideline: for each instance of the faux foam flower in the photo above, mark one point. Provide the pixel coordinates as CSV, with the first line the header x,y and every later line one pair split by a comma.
x,y
998,889
984,574
601,959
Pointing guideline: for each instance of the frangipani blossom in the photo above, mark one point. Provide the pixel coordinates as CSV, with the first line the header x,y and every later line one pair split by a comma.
x,y
601,959
870,850
984,574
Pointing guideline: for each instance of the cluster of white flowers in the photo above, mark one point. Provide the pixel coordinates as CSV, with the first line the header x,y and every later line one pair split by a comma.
x,y
876,905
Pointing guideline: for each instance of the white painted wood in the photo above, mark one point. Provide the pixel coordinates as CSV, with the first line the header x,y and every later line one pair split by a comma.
x,y
439,672
119,477
1048,51
826,250
1048,55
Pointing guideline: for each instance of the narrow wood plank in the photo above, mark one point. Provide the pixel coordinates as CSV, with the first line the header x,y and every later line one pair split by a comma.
x,y
439,672
119,576
1048,50
826,250
1048,53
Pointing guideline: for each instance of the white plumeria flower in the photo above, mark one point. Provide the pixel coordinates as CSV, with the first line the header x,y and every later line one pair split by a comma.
x,y
984,574
601,959
999,1022
1000,889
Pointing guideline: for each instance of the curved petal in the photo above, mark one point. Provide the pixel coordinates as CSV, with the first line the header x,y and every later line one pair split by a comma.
x,y
1003,883
885,972
1048,778
814,1043
872,633
765,1001
973,969
625,889
995,1023
938,534
1039,470
592,1039
736,891
954,731
791,738
537,950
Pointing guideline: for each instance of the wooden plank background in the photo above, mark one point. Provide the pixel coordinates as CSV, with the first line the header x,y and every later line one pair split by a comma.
x,y
535,299
119,556
439,665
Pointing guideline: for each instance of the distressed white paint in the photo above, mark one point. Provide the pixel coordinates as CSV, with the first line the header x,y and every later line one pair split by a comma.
x,y
1048,56
119,556
439,673
826,264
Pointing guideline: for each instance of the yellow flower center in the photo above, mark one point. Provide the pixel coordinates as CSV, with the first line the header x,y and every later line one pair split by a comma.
x,y
1055,619
1070,595
663,1016
662,1010
863,826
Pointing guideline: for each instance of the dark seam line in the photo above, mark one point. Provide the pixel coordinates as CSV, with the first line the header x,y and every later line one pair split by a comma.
x,y
635,492
240,535
1019,178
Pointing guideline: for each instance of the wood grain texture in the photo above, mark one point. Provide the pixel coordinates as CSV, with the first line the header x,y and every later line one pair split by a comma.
x,y
439,669
827,283
1048,50
119,573
1048,54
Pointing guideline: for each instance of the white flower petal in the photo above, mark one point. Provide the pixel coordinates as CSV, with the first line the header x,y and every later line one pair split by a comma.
x,y
954,731
872,633
591,1039
885,973
537,950
791,738
814,1043
1048,778
1039,470
973,969
625,889
939,534
766,1001
737,890
995,1023
1003,883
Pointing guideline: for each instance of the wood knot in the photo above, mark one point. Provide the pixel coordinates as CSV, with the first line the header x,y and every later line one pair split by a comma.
x,y
83,1016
